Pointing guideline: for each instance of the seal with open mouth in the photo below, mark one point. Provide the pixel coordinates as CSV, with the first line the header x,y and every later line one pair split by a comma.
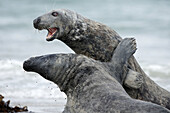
x,y
57,23
69,27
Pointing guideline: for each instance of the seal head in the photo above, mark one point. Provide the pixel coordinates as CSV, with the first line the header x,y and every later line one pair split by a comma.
x,y
51,67
56,22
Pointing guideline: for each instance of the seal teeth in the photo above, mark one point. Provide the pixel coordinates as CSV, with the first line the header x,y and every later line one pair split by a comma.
x,y
51,32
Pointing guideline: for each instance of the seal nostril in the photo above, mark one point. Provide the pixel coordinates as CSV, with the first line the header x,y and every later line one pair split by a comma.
x,y
36,22
27,65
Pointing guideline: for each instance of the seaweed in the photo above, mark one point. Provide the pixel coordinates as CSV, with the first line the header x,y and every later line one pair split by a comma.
x,y
5,108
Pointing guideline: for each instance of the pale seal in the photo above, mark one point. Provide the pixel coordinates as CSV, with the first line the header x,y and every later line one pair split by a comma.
x,y
80,79
81,35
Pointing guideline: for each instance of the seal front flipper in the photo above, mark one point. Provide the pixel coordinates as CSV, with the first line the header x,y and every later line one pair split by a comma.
x,y
123,52
133,79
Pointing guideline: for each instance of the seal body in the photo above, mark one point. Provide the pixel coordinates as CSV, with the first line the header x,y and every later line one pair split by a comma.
x,y
88,84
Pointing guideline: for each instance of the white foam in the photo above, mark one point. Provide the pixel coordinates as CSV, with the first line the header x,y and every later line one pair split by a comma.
x,y
156,69
8,64
16,83
159,73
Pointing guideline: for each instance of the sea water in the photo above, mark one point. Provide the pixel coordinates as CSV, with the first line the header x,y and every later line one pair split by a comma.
x,y
147,20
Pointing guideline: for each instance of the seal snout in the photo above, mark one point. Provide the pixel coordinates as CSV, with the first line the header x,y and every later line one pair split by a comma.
x,y
36,22
28,64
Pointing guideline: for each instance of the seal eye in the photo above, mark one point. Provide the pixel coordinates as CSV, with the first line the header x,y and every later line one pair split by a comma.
x,y
54,13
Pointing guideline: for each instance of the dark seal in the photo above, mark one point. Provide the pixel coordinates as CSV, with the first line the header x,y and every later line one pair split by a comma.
x,y
79,77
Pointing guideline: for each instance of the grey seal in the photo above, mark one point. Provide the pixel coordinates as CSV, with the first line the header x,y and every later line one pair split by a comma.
x,y
70,27
79,77
99,42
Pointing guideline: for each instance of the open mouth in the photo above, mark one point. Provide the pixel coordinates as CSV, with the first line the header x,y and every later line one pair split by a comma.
x,y
52,32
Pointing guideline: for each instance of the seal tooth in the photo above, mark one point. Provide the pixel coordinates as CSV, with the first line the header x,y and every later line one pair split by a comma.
x,y
51,32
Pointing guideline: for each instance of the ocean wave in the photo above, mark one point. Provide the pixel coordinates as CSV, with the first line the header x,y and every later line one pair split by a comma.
x,y
15,81
159,73
15,67
156,70
7,64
